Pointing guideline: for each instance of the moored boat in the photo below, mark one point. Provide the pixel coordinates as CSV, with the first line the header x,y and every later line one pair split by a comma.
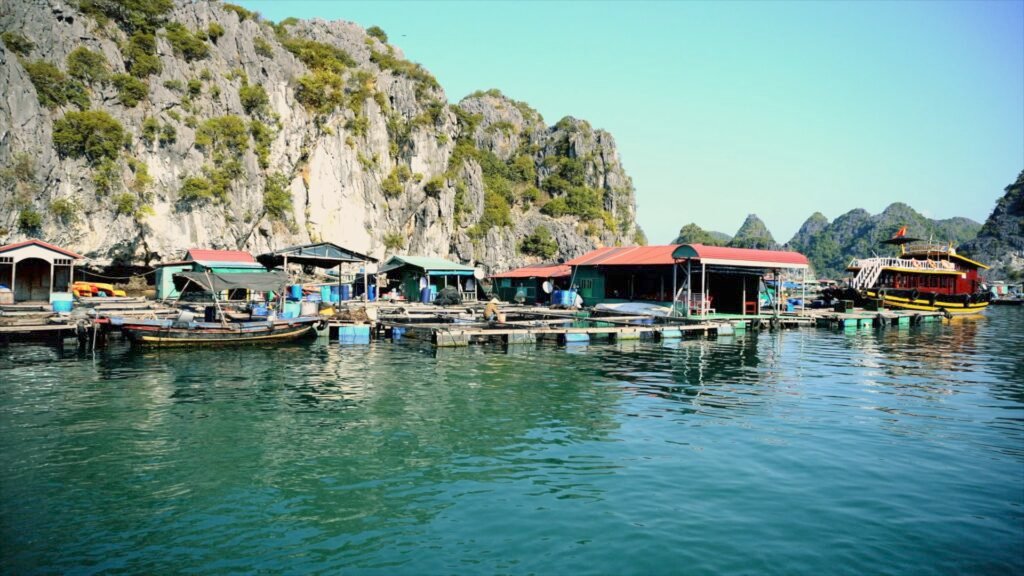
x,y
177,333
184,331
925,276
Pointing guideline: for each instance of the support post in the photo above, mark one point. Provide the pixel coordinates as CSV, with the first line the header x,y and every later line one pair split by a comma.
x,y
757,308
284,296
675,293
14,285
778,291
51,279
703,289
366,283
689,287
743,304
803,293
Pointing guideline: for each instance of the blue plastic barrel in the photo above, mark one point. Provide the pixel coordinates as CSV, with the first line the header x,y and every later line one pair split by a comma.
x,y
371,292
425,296
62,305
55,296
295,292
335,293
397,333
325,293
291,310
556,297
346,292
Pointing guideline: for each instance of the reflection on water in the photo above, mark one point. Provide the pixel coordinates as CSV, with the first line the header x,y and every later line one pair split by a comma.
x,y
792,452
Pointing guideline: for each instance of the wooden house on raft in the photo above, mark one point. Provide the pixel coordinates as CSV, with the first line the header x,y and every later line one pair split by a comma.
x,y
526,284
204,260
681,279
32,270
412,274
718,280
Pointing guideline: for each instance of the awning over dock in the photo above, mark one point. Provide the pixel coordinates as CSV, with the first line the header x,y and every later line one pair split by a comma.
x,y
321,255
431,266
258,281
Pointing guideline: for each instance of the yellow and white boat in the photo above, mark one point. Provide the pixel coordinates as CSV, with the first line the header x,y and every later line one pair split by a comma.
x,y
926,277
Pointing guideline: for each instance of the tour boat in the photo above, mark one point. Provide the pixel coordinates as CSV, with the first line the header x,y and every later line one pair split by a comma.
x,y
925,276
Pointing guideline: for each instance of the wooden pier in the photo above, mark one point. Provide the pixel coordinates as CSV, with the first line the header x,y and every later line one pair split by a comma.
x,y
861,318
459,325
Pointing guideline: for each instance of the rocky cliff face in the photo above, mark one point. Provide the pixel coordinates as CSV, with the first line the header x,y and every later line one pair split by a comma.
x,y
1000,243
206,126
831,246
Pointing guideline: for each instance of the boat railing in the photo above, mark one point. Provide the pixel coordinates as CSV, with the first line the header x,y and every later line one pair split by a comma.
x,y
889,262
928,248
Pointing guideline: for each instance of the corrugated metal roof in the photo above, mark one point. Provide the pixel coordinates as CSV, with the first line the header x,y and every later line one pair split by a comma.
x,y
42,244
540,271
667,254
228,264
626,256
425,262
202,254
741,256
322,254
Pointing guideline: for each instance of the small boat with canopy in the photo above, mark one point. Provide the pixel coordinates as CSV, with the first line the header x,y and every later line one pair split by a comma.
x,y
186,331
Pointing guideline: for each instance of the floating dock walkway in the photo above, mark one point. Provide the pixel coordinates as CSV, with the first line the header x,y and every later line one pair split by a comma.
x,y
459,325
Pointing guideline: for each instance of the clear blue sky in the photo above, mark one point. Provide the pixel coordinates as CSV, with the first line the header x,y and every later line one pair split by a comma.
x,y
723,109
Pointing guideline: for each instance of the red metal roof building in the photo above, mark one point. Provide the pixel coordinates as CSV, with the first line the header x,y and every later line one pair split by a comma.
x,y
743,257
626,256
708,277
198,260
526,284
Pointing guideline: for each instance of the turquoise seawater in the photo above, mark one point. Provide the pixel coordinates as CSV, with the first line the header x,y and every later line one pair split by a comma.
x,y
800,452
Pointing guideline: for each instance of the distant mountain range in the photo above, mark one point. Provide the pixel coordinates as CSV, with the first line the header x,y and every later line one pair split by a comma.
x,y
830,245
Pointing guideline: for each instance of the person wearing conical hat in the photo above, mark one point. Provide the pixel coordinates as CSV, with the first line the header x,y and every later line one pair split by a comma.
x,y
491,310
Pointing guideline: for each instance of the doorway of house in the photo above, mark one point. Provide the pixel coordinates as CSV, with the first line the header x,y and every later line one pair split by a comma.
x,y
32,280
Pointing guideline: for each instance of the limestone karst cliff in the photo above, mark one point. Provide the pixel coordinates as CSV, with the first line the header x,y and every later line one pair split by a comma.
x,y
131,130
1000,242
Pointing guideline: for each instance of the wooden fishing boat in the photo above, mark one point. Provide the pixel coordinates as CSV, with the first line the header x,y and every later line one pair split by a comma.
x,y
926,277
176,333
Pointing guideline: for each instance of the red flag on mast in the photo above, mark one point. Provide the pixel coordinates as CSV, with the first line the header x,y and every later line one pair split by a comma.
x,y
901,233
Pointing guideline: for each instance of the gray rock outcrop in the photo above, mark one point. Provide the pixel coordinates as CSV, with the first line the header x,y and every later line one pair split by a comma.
x,y
386,166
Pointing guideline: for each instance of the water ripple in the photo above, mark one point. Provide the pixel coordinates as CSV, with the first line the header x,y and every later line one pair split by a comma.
x,y
797,452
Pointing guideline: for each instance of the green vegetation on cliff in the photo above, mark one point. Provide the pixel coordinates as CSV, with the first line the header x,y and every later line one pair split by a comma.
x,y
1000,242
694,234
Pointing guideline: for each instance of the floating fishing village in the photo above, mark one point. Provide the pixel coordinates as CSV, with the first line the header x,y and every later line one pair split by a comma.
x,y
589,287
618,293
